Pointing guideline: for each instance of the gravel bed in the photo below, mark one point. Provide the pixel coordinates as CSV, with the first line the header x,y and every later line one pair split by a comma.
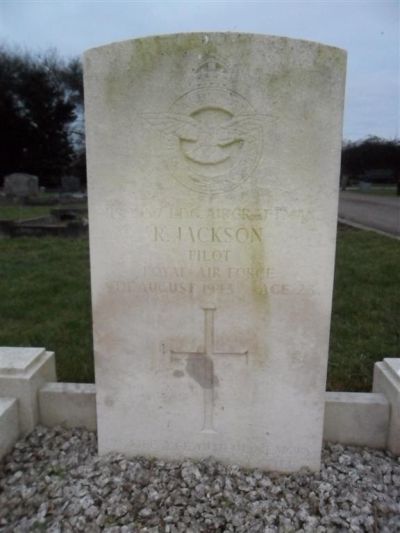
x,y
53,481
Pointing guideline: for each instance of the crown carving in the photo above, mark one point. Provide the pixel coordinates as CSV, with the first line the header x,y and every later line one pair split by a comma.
x,y
212,71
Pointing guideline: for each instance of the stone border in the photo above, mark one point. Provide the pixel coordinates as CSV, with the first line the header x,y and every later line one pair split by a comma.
x,y
69,405
387,381
32,369
360,419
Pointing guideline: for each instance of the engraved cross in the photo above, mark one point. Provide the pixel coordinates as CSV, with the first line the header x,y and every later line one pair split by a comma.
x,y
200,366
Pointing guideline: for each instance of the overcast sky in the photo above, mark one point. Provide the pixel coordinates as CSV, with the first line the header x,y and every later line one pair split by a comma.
x,y
368,30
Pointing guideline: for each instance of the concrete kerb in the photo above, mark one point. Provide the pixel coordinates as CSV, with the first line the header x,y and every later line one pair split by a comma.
x,y
387,381
68,404
23,372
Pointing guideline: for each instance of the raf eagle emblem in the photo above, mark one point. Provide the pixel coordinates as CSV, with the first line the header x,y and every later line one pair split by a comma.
x,y
209,136
211,139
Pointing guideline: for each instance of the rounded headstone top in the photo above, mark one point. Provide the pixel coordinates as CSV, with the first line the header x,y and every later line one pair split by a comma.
x,y
205,37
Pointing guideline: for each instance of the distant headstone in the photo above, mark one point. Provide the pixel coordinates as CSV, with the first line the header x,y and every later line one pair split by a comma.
x,y
70,184
213,184
21,185
365,185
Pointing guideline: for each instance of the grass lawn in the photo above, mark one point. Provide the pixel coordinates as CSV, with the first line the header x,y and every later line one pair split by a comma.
x,y
45,301
378,191
366,308
21,212
16,212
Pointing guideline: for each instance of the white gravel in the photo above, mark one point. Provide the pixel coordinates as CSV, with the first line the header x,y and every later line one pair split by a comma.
x,y
53,481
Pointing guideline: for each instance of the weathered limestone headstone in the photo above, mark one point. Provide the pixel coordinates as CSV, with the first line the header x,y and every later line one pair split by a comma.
x,y
213,179
21,185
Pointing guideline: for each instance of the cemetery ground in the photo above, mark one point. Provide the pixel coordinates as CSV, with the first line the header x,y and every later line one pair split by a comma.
x,y
54,481
45,287
378,190
16,212
22,212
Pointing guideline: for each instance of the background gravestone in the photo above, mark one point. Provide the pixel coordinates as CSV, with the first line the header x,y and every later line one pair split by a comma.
x,y
213,166
21,185
70,184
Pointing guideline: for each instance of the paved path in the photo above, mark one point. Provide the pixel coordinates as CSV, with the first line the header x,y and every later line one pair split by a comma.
x,y
376,212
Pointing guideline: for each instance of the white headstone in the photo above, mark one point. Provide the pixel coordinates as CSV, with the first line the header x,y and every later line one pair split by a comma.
x,y
213,178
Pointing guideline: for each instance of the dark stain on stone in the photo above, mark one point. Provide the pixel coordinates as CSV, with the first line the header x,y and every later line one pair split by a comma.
x,y
178,374
200,367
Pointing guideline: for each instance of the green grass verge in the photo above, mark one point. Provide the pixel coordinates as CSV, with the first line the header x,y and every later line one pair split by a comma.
x,y
366,308
377,191
20,212
45,301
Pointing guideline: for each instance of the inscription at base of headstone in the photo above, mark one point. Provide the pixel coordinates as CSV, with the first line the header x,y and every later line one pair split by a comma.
x,y
213,173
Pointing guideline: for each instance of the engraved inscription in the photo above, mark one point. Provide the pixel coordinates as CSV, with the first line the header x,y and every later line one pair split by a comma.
x,y
200,367
273,215
207,234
